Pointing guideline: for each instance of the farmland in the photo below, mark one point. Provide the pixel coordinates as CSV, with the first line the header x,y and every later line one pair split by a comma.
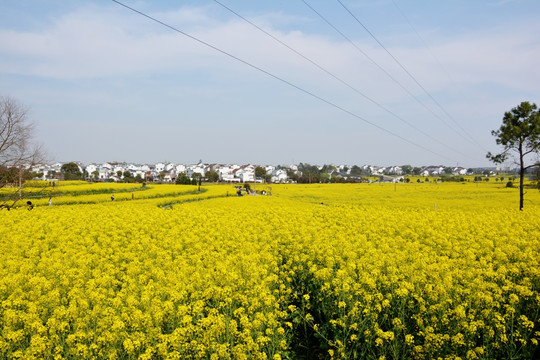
x,y
341,271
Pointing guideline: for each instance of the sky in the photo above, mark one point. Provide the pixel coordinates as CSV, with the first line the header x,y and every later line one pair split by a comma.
x,y
379,82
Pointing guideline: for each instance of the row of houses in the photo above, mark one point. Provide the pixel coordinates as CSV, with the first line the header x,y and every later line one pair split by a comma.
x,y
168,172
424,171
165,172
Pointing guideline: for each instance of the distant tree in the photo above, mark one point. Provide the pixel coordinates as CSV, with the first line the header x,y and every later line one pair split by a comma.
x,y
292,175
211,176
9,175
417,171
356,170
119,174
196,175
51,174
446,178
183,179
196,178
520,134
138,178
325,177
95,174
260,172
309,173
328,169
337,179
128,177
448,170
407,169
35,175
71,171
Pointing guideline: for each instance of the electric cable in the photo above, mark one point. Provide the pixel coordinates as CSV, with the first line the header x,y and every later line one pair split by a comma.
x,y
445,70
328,102
375,63
339,79
469,137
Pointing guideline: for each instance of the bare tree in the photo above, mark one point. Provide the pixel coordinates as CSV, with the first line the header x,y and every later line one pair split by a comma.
x,y
18,151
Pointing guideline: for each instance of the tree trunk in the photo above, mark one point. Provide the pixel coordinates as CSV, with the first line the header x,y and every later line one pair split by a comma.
x,y
521,176
20,181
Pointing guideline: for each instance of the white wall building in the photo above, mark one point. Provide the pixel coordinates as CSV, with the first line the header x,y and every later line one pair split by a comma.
x,y
159,167
279,176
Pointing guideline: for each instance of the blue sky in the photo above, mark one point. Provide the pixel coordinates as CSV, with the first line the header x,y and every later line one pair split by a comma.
x,y
104,83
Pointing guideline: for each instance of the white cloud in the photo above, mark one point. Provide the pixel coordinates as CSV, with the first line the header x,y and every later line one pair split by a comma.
x,y
93,43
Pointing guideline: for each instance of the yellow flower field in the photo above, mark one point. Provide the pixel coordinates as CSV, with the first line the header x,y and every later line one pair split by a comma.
x,y
343,271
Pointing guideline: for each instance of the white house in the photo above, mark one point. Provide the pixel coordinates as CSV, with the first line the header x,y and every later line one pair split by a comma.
x,y
460,171
394,170
180,168
376,170
199,168
433,170
226,173
279,176
269,169
90,168
245,173
367,168
159,167
247,176
117,168
169,176
104,173
138,172
133,167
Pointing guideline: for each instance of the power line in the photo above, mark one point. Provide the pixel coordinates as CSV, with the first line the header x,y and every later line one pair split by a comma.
x,y
420,37
470,138
328,102
338,78
375,63
431,53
